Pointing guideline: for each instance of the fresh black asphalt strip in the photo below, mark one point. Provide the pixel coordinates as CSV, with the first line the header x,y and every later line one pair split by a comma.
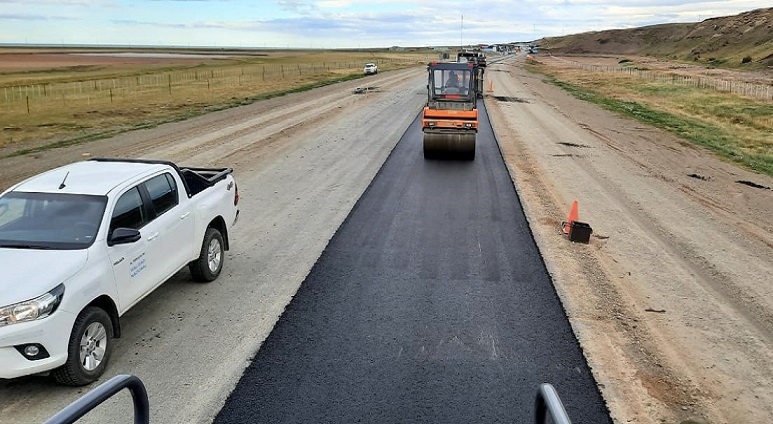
x,y
430,304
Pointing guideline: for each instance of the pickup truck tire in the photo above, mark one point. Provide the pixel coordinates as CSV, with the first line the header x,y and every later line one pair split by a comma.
x,y
210,261
89,348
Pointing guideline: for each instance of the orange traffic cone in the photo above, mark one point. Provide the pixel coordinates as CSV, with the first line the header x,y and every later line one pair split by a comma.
x,y
573,216
491,86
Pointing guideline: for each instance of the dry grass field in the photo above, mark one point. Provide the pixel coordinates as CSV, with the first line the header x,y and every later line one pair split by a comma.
x,y
55,97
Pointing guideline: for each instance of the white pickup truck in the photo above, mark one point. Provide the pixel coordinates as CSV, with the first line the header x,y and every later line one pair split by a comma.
x,y
83,243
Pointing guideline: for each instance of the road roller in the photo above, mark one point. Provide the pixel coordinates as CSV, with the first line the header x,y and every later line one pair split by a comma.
x,y
450,118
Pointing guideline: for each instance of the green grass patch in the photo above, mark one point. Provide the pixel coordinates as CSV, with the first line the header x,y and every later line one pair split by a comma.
x,y
749,115
664,90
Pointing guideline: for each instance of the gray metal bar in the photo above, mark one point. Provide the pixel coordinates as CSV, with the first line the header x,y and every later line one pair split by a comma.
x,y
74,411
549,404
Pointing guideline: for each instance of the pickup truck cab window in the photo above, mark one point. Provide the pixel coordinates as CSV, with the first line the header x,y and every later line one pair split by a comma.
x,y
128,212
163,192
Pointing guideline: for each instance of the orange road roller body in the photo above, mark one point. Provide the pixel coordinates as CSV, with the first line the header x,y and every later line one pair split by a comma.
x,y
450,117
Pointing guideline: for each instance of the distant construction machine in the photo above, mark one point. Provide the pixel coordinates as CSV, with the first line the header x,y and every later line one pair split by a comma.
x,y
478,59
450,118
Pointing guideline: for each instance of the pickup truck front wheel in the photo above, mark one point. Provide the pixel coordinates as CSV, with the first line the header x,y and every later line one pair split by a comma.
x,y
88,350
210,261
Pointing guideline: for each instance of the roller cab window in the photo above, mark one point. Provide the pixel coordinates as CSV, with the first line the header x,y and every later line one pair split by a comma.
x,y
454,82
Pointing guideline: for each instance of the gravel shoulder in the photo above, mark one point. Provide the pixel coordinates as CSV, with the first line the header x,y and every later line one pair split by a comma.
x,y
671,300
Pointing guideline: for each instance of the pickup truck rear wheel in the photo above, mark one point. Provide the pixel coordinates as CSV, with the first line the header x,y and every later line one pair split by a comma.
x,y
89,348
210,261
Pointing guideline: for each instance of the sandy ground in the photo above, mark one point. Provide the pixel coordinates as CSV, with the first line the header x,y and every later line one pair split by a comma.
x,y
671,300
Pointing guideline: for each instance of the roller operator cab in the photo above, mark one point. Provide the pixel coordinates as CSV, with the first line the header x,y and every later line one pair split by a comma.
x,y
450,118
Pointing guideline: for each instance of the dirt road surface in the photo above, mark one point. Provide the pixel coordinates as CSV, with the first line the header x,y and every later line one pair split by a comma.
x,y
671,300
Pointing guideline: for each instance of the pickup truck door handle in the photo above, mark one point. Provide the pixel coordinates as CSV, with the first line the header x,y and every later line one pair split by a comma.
x,y
152,236
185,215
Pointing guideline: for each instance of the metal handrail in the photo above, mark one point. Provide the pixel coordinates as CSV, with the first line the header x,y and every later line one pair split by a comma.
x,y
74,411
548,402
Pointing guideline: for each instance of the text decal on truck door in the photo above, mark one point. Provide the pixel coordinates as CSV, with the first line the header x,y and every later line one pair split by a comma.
x,y
137,265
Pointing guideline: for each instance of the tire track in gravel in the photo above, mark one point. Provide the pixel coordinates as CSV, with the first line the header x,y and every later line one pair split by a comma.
x,y
230,138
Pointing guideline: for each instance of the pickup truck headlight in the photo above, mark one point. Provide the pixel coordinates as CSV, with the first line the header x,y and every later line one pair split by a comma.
x,y
30,310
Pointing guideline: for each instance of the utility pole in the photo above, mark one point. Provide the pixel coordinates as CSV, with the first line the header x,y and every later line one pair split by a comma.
x,y
461,35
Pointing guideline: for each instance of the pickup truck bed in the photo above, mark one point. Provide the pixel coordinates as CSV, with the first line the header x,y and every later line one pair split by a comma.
x,y
195,179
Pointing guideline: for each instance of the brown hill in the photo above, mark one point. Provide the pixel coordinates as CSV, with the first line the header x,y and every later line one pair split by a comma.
x,y
745,39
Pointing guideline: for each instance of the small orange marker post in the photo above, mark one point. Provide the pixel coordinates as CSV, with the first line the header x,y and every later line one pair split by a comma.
x,y
490,86
573,216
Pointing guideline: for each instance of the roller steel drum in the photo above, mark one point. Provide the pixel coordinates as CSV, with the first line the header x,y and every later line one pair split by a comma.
x,y
449,145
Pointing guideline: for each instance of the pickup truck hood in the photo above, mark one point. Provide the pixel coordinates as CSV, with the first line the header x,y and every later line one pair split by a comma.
x,y
27,273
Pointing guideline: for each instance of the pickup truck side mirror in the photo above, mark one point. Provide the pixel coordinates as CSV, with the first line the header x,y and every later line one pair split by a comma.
x,y
123,236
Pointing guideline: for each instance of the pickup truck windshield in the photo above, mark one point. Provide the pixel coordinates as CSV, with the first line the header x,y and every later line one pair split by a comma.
x,y
49,220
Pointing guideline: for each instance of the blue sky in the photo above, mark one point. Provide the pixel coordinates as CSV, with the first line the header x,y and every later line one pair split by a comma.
x,y
335,23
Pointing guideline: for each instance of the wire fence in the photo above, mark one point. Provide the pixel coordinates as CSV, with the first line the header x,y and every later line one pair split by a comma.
x,y
753,90
114,90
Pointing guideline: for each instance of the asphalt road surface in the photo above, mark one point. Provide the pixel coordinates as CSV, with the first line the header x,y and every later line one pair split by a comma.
x,y
431,303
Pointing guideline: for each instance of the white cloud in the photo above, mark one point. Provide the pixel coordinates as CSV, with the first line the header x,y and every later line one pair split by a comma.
x,y
340,23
